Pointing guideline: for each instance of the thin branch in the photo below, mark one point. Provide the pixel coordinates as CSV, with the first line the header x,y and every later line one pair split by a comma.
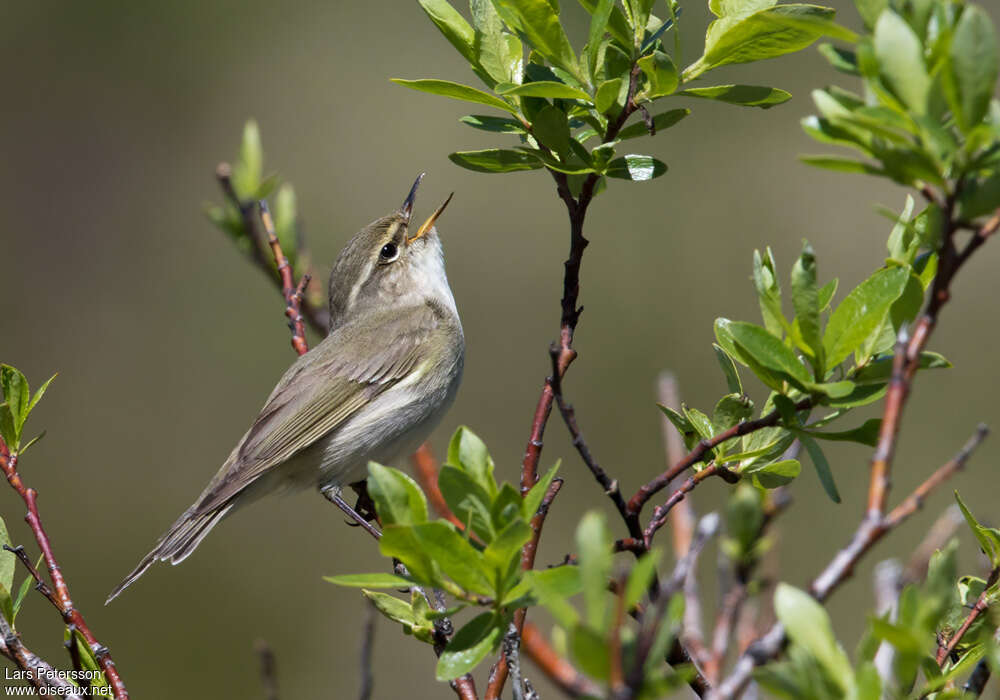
x,y
268,669
70,614
978,609
367,644
659,518
293,293
38,673
841,566
649,489
556,668
318,317
609,485
652,620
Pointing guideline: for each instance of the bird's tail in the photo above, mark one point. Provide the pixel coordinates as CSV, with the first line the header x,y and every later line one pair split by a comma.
x,y
177,543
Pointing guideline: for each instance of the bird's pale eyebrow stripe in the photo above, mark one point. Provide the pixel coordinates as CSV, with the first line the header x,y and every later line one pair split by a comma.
x,y
352,297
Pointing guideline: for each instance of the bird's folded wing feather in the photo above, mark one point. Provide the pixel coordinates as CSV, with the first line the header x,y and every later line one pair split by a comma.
x,y
321,391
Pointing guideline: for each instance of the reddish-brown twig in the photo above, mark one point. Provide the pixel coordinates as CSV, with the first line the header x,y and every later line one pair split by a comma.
x,y
647,490
293,293
70,614
839,569
556,668
39,674
318,317
659,518
978,609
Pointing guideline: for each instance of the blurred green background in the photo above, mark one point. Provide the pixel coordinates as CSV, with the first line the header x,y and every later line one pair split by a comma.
x,y
167,341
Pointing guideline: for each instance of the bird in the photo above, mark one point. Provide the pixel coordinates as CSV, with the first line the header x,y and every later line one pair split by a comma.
x,y
372,390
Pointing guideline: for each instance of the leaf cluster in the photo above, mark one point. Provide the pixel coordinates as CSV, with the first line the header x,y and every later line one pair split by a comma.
x,y
570,109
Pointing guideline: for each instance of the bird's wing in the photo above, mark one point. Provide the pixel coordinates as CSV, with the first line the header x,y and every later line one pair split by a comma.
x,y
321,391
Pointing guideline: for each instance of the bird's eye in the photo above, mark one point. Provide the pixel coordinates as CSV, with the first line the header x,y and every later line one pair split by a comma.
x,y
389,252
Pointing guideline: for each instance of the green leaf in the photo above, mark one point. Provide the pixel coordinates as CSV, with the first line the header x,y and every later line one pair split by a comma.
x,y
454,27
729,369
533,499
617,25
901,60
661,121
775,474
393,608
841,59
398,499
768,351
861,313
808,626
248,170
467,451
974,65
454,555
469,501
495,160
723,8
400,541
469,646
590,652
552,589
547,88
865,434
730,410
879,370
504,554
455,91
598,25
593,543
870,10
8,561
842,165
805,299
988,537
16,394
745,95
551,128
369,581
539,22
822,466
500,125
767,33
636,168
39,393
607,94
765,281
661,73
640,577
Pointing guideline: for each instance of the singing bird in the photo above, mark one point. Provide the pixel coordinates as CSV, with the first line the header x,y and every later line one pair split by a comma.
x,y
373,389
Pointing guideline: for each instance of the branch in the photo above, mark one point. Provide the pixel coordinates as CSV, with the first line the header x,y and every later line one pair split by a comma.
x,y
319,318
63,601
367,642
38,672
293,293
869,532
609,485
557,669
659,518
982,603
426,470
648,490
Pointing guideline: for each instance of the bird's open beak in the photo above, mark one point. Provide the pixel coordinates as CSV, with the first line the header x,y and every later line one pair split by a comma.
x,y
426,226
407,207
